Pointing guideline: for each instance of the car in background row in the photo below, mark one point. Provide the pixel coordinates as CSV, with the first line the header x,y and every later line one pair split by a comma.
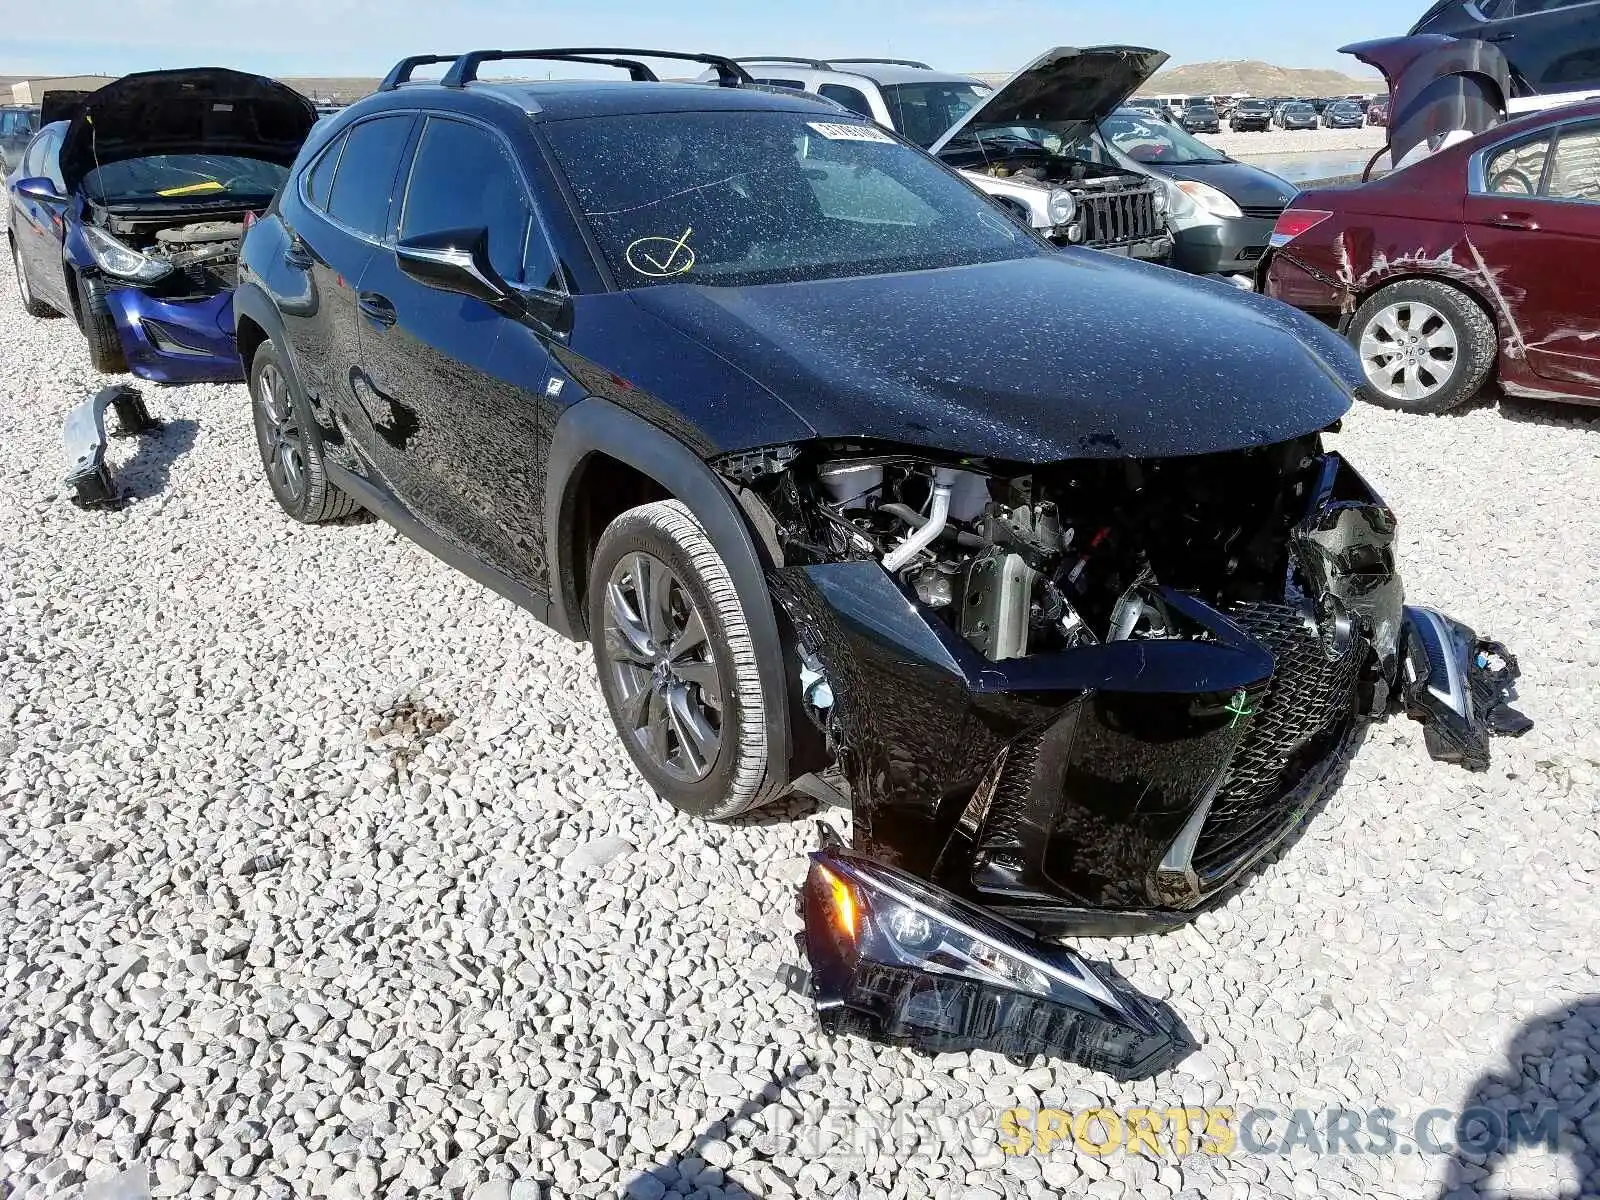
x,y
1201,118
1025,144
18,124
1298,115
1251,116
1344,114
848,477
1378,112
128,216
1223,211
1481,260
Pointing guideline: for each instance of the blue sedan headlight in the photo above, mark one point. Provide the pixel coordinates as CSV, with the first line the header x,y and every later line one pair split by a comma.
x,y
123,261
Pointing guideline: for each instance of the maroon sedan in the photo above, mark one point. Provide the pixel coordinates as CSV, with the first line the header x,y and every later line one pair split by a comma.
x,y
1485,255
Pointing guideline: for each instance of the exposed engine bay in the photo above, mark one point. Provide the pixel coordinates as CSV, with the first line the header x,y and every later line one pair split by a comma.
x,y
201,256
1072,555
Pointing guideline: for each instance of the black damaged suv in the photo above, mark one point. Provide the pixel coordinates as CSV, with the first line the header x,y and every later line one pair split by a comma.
x,y
858,486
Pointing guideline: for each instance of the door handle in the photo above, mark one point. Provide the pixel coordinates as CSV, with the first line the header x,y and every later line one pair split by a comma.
x,y
377,309
1512,220
1504,35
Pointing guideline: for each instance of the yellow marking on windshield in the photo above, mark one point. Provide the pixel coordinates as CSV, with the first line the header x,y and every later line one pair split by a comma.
x,y
193,189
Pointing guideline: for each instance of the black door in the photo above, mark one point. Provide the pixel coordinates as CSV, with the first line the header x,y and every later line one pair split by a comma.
x,y
336,224
39,225
462,383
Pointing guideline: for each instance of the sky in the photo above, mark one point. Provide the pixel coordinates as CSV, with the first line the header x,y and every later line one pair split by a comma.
x,y
365,37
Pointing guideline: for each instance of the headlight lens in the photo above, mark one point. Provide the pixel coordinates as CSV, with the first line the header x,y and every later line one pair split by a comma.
x,y
896,959
1062,207
1210,199
1161,201
124,262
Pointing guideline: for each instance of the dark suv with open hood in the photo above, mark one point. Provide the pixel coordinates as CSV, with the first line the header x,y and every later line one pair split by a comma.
x,y
128,214
856,486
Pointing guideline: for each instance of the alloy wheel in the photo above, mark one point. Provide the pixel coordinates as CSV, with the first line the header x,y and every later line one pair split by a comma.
x,y
667,685
285,440
1409,351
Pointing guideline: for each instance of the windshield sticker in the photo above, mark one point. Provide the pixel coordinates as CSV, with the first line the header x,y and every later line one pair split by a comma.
x,y
193,189
662,257
848,133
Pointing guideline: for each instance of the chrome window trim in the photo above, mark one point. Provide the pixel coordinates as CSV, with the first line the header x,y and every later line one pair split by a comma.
x,y
344,140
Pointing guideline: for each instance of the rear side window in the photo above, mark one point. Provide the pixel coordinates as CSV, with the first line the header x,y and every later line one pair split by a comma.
x,y
1575,169
1518,170
320,178
44,159
794,85
464,178
365,179
855,101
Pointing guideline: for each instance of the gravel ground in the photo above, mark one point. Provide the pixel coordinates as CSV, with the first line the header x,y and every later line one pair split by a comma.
x,y
1283,141
321,874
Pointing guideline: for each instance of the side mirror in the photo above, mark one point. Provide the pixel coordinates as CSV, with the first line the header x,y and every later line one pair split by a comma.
x,y
458,261
37,187
454,261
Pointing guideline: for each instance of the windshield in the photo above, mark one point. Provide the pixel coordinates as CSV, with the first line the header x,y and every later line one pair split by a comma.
x,y
1299,110
923,112
1145,139
186,177
733,199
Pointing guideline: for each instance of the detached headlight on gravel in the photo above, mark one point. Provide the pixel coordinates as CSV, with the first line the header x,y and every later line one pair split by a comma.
x,y
1209,199
115,258
900,961
1061,207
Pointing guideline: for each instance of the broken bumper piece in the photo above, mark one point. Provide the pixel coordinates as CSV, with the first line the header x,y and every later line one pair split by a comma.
x,y
1460,687
897,960
84,439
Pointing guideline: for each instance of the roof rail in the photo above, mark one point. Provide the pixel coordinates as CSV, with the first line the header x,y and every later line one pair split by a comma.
x,y
888,62
403,69
465,68
816,64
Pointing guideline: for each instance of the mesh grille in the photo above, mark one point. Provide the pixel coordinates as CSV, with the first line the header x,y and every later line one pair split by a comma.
x,y
1300,716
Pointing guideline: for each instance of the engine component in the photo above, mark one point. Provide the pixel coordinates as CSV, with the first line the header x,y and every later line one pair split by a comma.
x,y
849,483
997,604
936,585
919,540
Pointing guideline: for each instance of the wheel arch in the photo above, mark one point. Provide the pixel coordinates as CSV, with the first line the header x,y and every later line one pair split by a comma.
x,y
604,458
1473,291
256,320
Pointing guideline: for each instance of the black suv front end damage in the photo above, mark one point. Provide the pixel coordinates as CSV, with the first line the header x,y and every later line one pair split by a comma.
x,y
1087,698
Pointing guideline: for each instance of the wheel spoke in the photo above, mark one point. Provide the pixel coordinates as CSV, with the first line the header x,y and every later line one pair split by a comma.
x,y
623,650
704,676
635,705
697,740
691,639
656,729
627,622
293,470
659,605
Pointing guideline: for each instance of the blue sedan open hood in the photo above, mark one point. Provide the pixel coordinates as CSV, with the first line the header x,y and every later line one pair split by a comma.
x,y
1041,359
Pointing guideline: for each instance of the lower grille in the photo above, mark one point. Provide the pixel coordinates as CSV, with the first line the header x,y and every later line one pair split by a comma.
x,y
1119,218
1301,716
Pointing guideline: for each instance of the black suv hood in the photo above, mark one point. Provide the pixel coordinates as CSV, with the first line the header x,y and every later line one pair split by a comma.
x,y
200,110
1061,86
1069,355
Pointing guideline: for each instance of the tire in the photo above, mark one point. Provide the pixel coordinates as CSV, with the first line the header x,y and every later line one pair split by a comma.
x,y
99,330
658,700
291,448
31,306
1450,362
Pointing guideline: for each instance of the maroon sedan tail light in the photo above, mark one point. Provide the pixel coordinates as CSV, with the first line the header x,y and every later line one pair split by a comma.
x,y
1294,222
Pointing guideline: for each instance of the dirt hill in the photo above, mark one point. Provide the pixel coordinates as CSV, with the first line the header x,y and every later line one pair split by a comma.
x,y
1256,79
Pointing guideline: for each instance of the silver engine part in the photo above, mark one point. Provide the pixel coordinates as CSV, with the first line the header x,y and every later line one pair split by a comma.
x,y
997,604
202,242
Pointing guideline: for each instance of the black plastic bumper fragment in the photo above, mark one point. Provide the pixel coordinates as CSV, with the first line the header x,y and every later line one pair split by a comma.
x,y
84,438
1460,686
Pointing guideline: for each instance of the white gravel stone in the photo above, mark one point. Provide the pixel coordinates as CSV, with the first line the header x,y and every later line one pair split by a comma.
x,y
470,947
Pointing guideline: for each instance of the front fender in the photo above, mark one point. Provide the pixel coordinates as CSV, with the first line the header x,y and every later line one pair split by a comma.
x,y
1437,85
594,426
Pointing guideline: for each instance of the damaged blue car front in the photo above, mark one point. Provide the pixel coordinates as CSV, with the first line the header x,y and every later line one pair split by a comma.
x,y
128,215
